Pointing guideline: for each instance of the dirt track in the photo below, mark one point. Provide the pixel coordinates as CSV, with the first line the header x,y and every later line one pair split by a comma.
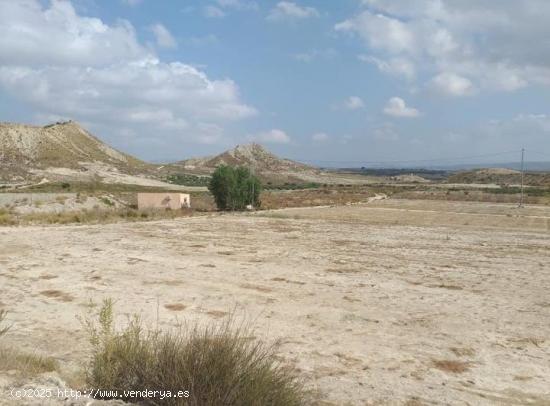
x,y
394,302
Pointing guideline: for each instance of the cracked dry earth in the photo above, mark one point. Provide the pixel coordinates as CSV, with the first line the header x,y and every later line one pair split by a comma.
x,y
397,302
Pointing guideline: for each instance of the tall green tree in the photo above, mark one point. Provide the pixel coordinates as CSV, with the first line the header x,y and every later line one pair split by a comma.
x,y
234,188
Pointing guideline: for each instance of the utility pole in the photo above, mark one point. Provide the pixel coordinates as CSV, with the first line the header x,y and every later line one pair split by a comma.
x,y
522,176
252,172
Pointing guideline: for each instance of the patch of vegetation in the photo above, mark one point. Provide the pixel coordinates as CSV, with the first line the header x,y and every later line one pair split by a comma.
x,y
25,364
431,174
96,216
188,180
90,188
293,186
107,201
217,365
234,188
6,218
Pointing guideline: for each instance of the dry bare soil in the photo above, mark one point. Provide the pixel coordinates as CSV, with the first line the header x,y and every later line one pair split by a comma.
x,y
395,302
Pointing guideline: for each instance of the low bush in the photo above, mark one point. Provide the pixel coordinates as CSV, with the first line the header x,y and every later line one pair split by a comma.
x,y
219,365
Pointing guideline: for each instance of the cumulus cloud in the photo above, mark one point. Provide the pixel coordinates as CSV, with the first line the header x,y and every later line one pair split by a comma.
x,y
274,136
62,64
320,137
287,10
163,37
452,84
397,107
493,46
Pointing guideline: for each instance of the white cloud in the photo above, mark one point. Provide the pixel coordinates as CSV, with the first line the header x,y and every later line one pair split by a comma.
x,y
163,37
400,67
66,65
221,7
320,137
287,10
354,103
397,107
271,137
453,85
213,12
57,36
495,45
208,133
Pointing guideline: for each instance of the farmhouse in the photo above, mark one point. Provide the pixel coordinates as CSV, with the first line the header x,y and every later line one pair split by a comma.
x,y
173,201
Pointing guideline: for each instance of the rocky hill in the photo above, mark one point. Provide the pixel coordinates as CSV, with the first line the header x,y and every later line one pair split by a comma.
x,y
60,150
268,166
66,152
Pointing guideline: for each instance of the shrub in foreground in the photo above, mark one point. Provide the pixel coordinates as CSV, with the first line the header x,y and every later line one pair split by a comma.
x,y
218,365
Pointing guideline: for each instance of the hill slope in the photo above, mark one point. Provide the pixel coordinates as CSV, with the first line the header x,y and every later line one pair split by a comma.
x,y
265,164
501,176
59,151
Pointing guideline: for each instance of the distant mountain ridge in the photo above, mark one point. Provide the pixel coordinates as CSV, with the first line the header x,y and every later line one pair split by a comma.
x,y
65,151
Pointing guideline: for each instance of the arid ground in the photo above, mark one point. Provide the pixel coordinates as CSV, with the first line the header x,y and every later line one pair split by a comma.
x,y
394,302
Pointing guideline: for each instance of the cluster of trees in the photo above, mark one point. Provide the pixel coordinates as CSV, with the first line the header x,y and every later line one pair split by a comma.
x,y
234,188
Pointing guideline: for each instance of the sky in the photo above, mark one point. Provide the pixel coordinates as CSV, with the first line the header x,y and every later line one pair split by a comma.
x,y
337,83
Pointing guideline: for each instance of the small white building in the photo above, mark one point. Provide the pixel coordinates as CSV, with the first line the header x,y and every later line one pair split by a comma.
x,y
173,201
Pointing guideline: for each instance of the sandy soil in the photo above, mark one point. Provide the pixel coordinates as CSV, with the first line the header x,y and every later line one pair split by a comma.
x,y
395,302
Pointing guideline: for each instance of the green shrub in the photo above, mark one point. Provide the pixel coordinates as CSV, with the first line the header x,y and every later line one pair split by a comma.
x,y
188,180
217,365
234,188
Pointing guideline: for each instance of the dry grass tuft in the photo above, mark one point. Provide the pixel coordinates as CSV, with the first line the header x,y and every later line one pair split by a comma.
x,y
217,365
26,365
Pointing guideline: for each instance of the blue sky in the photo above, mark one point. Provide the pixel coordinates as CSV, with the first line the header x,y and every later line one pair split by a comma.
x,y
348,81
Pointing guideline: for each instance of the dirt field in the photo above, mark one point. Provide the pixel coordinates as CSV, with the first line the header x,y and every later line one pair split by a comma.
x,y
395,302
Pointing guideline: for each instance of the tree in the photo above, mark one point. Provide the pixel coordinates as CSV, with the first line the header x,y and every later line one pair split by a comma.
x,y
234,188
